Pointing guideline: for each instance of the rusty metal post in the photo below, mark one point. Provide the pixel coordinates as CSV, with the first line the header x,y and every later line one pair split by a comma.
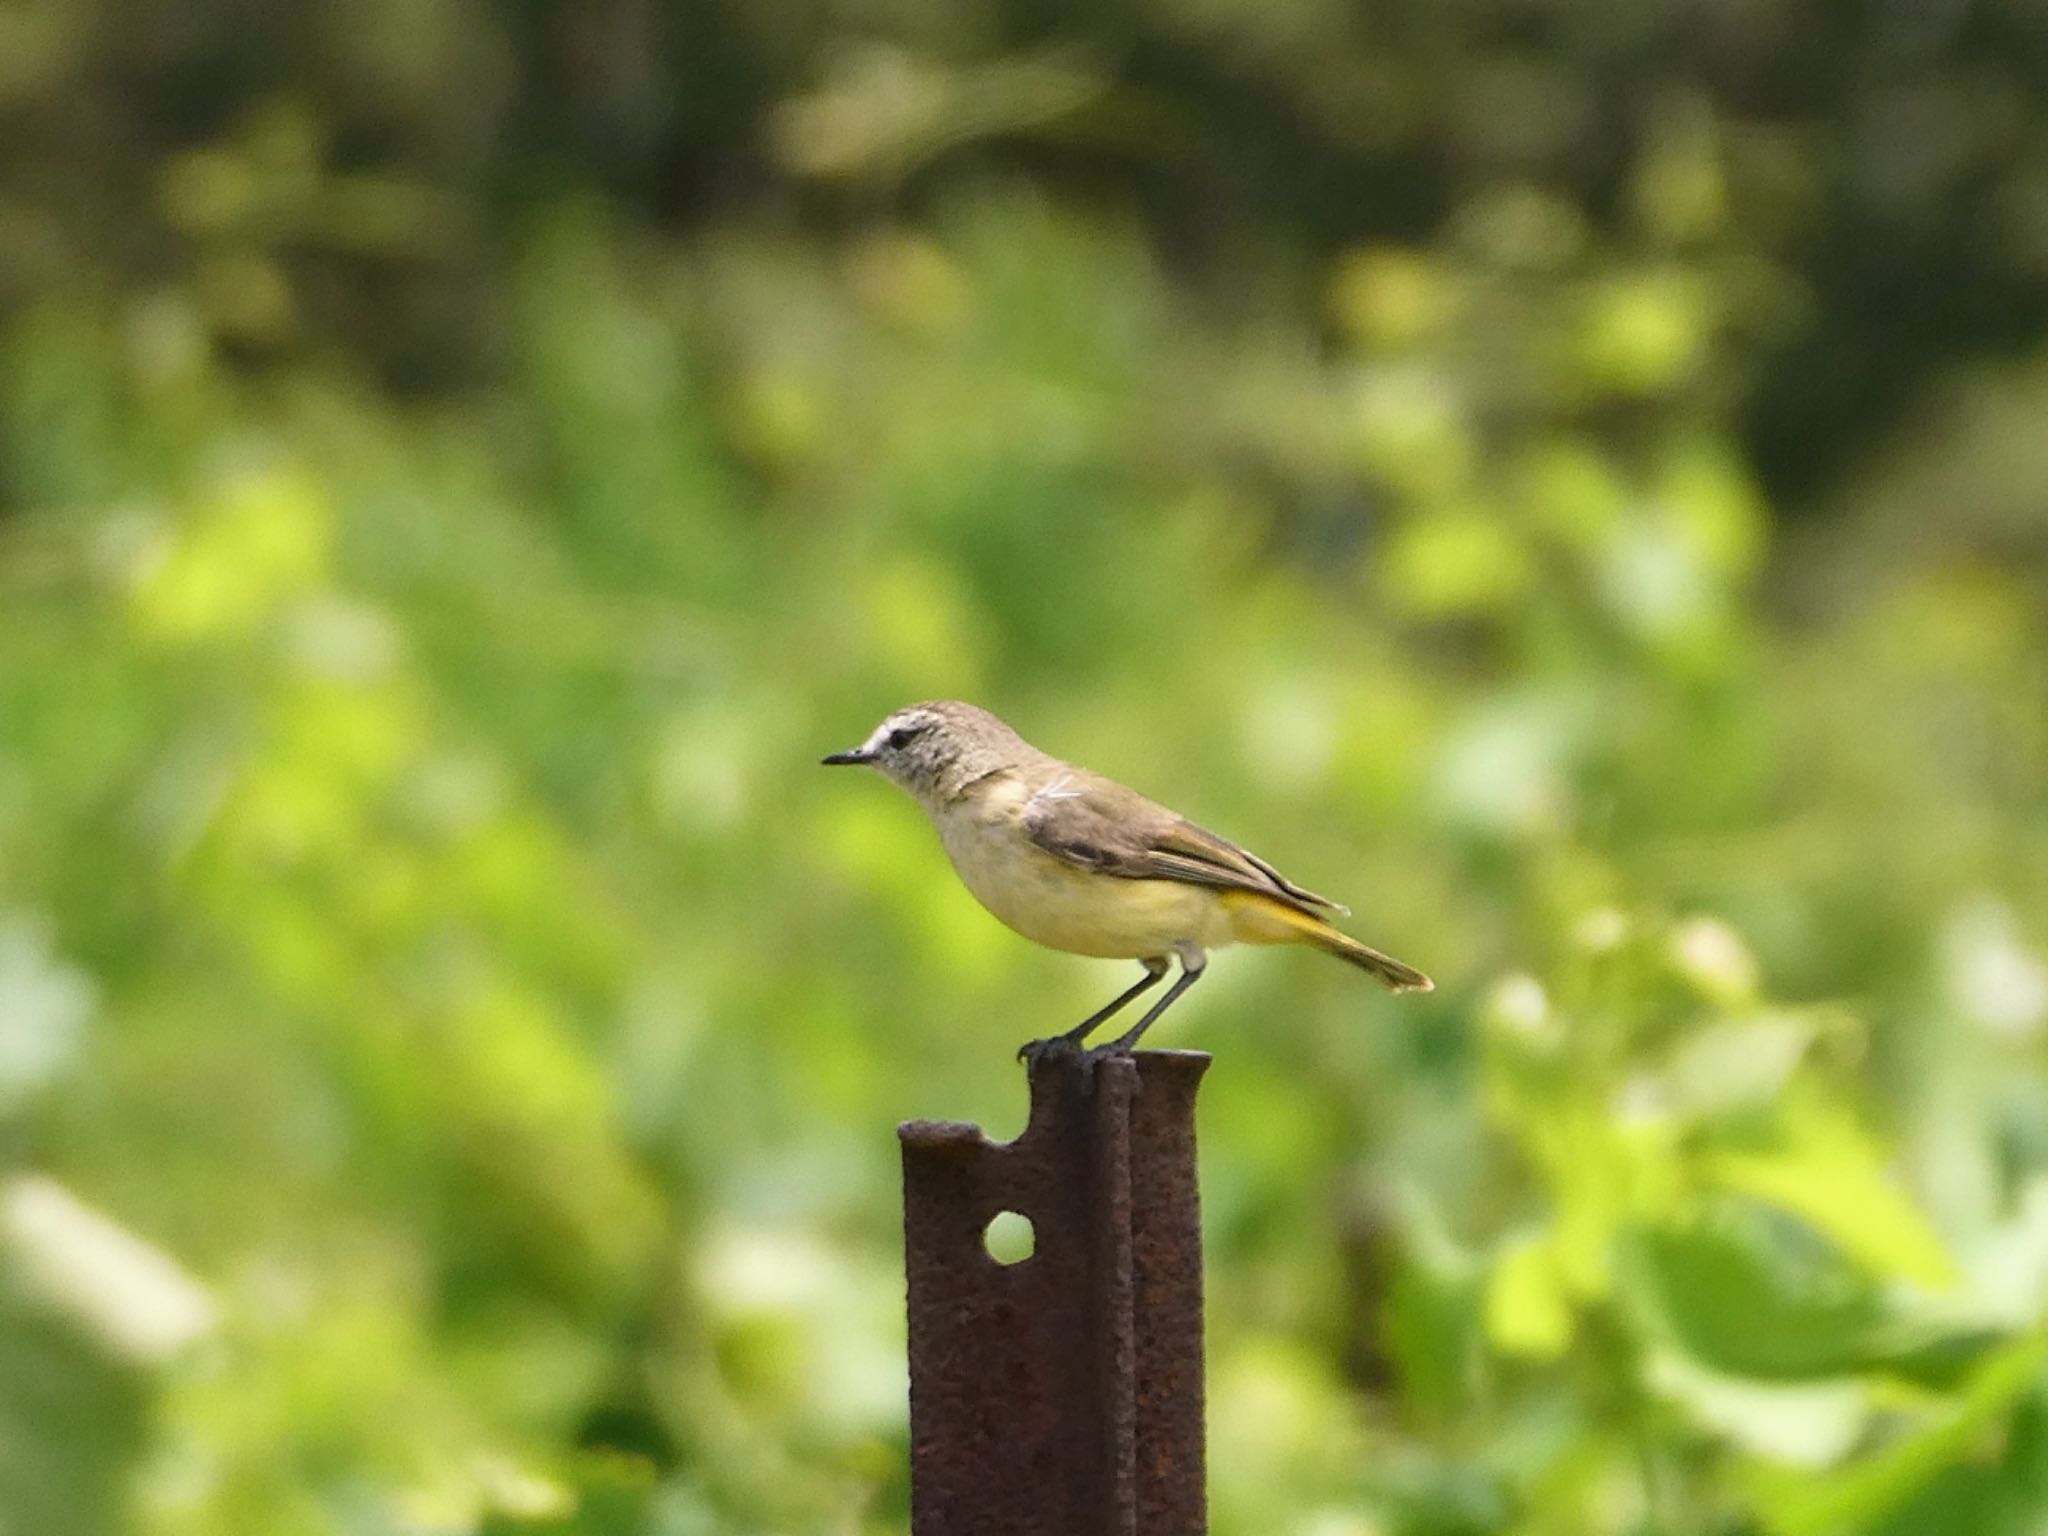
x,y
1061,1395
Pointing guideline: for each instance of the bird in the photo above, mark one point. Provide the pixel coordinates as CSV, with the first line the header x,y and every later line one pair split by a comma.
x,y
1077,862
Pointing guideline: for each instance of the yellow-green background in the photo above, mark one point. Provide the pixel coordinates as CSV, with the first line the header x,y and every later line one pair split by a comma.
x,y
1565,477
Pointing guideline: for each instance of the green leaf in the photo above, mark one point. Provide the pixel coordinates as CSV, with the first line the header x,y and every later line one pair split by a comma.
x,y
72,1423
1527,1310
2003,1496
614,1497
1747,1298
1433,1329
1806,1424
1833,1175
1873,1487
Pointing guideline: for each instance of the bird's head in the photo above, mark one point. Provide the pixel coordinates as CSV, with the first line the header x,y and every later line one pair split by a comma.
x,y
932,749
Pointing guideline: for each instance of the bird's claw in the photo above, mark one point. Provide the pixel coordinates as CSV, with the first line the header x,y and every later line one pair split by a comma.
x,y
1032,1052
1067,1048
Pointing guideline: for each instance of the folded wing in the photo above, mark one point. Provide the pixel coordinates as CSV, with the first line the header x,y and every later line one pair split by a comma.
x,y
1100,825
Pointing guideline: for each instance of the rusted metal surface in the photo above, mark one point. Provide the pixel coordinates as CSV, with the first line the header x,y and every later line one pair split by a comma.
x,y
1061,1395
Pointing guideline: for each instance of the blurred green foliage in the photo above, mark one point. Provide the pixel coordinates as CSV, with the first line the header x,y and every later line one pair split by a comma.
x,y
1564,477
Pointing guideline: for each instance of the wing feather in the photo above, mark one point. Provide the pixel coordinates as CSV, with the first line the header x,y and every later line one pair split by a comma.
x,y
1099,825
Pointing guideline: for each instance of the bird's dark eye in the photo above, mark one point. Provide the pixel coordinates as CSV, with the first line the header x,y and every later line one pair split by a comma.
x,y
902,736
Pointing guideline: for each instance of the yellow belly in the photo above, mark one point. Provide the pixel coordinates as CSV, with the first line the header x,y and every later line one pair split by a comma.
x,y
1063,906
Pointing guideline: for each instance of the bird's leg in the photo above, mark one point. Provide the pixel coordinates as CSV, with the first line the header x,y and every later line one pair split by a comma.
x,y
1031,1050
1192,963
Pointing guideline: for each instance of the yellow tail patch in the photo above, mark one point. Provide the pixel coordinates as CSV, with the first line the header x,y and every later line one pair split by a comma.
x,y
1257,919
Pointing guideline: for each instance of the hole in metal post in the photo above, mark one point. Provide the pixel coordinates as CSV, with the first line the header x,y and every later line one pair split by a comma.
x,y
1009,1237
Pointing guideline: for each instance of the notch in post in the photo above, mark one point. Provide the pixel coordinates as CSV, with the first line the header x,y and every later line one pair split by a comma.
x,y
1061,1395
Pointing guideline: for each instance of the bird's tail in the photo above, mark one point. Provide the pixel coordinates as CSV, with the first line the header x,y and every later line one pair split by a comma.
x,y
1257,919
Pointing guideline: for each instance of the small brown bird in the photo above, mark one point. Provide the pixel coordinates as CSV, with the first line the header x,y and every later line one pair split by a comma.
x,y
1077,862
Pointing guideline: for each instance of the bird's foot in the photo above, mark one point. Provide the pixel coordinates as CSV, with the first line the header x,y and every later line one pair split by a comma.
x,y
1064,1048
1055,1047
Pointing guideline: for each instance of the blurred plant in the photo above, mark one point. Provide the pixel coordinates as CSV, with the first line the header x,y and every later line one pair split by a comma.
x,y
447,1022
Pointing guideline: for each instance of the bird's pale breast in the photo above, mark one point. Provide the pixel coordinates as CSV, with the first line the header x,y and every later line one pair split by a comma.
x,y
1062,905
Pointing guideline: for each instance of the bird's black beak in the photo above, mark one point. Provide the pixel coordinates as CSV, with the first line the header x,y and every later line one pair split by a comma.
x,y
857,755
